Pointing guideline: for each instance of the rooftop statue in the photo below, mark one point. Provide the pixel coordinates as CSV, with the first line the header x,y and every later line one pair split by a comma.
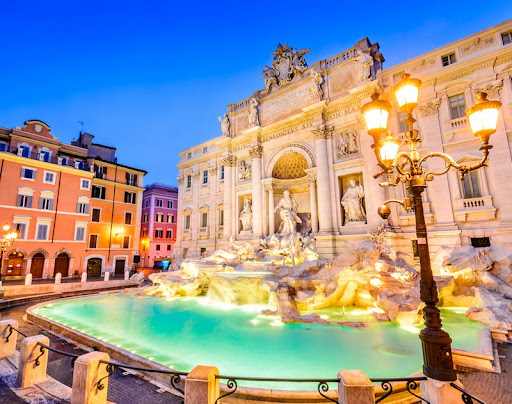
x,y
225,125
254,118
365,63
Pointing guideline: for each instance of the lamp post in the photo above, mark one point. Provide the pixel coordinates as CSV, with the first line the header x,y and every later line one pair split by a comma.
x,y
5,241
408,167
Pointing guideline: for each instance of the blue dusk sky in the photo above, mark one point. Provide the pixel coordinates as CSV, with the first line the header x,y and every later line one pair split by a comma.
x,y
151,77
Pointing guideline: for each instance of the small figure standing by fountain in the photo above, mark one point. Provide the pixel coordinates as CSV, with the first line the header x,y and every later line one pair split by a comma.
x,y
352,203
246,217
287,207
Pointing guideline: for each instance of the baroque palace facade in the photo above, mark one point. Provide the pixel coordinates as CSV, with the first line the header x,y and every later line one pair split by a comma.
x,y
304,133
74,207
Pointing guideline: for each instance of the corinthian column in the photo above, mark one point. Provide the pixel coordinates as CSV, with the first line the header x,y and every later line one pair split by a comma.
x,y
228,164
271,222
212,215
312,203
324,191
257,197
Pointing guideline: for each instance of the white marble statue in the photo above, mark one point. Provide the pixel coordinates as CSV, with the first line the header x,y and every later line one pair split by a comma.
x,y
225,125
352,202
365,63
287,208
254,118
246,217
315,88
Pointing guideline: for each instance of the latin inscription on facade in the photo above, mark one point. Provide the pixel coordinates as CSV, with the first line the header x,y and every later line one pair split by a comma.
x,y
278,107
287,131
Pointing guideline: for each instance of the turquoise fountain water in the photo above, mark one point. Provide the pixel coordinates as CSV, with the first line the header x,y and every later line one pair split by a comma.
x,y
184,332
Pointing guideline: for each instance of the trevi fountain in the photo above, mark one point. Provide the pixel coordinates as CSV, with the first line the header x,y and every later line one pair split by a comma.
x,y
272,308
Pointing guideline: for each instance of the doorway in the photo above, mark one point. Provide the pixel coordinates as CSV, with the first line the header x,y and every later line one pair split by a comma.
x,y
14,264
120,263
61,265
94,267
36,269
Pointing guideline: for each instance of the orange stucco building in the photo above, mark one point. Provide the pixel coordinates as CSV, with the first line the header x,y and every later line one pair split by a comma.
x,y
75,208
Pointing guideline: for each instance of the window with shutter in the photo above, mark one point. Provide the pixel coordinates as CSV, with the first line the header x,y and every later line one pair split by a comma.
x,y
42,232
127,218
93,241
21,229
96,213
126,242
80,234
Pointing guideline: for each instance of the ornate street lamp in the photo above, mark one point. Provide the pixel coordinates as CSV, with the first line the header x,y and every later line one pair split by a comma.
x,y
407,167
5,242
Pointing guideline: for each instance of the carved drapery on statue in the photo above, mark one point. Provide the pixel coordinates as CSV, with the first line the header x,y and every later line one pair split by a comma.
x,y
287,64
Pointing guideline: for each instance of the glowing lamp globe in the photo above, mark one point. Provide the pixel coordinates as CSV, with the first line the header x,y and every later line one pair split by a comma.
x,y
388,149
483,117
407,92
376,114
6,227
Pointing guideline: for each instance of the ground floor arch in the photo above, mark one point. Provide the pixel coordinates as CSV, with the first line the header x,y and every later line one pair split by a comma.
x,y
14,265
37,265
94,265
62,264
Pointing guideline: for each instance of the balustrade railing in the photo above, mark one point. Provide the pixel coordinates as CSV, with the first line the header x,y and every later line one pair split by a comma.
x,y
411,383
232,384
176,377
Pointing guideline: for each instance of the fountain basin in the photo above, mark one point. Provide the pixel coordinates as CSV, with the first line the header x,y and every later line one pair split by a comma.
x,y
184,332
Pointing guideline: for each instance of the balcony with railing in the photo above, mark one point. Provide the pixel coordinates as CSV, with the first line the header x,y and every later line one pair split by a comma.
x,y
474,209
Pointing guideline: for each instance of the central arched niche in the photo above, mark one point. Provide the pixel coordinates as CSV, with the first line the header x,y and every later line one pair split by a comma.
x,y
290,165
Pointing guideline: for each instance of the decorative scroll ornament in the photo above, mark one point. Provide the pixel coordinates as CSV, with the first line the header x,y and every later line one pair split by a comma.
x,y
430,108
491,89
256,152
346,143
225,125
196,174
287,64
214,170
244,170
180,179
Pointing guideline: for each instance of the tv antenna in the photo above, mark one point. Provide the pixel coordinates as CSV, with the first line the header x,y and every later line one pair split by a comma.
x,y
81,123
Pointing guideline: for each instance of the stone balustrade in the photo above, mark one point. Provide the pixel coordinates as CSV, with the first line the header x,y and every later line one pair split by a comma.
x,y
471,209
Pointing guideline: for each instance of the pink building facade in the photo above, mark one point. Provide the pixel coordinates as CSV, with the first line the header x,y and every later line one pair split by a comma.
x,y
158,225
